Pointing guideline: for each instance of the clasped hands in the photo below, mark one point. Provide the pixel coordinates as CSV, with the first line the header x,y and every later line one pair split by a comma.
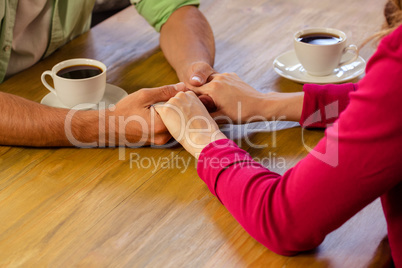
x,y
191,124
191,110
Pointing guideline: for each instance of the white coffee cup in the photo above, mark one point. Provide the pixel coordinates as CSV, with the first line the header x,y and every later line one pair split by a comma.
x,y
322,59
78,87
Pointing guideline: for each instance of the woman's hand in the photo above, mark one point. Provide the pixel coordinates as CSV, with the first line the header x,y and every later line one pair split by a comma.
x,y
238,102
189,122
232,96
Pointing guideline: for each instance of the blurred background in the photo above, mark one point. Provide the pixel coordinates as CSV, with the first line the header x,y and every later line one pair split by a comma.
x,y
106,8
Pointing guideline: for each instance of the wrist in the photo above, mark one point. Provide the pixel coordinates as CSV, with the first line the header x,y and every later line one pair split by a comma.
x,y
196,142
282,105
269,105
87,128
201,140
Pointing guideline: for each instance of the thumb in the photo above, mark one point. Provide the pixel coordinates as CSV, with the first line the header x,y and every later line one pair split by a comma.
x,y
200,74
163,94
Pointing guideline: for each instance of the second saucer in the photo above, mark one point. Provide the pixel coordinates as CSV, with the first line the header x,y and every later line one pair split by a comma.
x,y
288,66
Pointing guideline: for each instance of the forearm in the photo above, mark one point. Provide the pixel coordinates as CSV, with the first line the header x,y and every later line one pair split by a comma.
x,y
323,104
316,106
294,212
26,123
289,106
187,38
284,106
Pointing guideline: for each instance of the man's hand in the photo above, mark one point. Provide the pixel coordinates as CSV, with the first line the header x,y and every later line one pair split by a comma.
x,y
197,74
188,44
136,121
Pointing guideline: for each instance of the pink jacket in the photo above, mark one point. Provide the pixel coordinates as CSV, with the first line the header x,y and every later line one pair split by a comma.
x,y
361,159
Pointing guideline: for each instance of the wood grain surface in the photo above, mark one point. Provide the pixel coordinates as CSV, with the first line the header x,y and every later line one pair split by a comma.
x,y
147,207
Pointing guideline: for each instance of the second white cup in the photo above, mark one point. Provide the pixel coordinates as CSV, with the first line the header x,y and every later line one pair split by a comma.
x,y
320,50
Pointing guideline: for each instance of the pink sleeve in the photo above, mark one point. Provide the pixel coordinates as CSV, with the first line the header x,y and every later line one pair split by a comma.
x,y
319,99
357,161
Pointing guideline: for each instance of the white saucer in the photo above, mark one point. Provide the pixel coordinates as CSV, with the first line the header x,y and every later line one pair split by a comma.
x,y
288,66
112,95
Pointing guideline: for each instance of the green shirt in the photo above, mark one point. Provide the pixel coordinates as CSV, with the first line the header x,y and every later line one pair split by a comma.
x,y
71,18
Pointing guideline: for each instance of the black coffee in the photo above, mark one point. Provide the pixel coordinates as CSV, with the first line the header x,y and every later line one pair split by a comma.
x,y
319,39
79,71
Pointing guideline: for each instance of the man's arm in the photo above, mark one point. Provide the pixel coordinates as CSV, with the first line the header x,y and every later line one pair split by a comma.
x,y
24,122
27,123
188,43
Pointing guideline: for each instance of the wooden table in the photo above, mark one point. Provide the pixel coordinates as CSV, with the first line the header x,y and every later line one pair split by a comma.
x,y
88,208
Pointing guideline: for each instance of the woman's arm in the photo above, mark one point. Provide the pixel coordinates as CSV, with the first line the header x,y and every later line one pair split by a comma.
x,y
241,103
323,104
350,167
357,161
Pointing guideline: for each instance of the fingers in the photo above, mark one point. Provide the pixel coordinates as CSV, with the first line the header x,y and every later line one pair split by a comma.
x,y
180,86
200,90
216,81
209,87
189,97
161,94
201,71
181,98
